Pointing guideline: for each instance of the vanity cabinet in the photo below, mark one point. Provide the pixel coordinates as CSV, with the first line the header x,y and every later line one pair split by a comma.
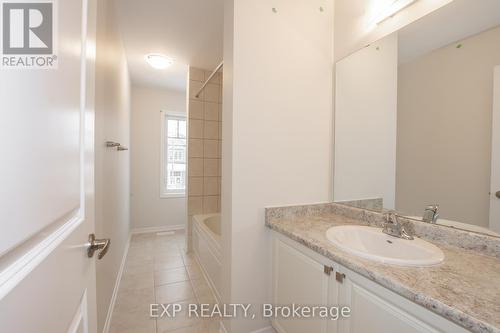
x,y
303,277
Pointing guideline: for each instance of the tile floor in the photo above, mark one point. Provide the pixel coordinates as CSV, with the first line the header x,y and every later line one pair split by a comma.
x,y
158,270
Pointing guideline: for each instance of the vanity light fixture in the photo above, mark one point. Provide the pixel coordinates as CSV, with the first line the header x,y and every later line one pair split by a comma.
x,y
158,61
395,7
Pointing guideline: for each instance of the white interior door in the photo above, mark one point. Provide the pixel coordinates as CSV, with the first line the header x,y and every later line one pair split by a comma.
x,y
47,282
495,156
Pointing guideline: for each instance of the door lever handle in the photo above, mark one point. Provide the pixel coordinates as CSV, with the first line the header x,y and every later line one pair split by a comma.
x,y
498,194
101,245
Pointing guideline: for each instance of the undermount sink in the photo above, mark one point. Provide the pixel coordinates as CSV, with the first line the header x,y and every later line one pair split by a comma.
x,y
371,243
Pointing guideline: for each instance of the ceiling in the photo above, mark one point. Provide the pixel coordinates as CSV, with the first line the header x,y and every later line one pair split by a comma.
x,y
454,22
189,31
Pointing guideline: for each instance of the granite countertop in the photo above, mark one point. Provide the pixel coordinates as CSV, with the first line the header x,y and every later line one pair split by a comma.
x,y
465,288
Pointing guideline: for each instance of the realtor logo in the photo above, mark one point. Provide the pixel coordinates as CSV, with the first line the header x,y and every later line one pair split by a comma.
x,y
28,36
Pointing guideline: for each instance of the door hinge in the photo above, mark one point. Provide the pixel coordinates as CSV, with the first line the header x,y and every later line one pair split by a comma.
x,y
328,270
339,277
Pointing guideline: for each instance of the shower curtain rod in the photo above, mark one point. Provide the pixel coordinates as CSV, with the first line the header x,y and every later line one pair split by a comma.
x,y
209,78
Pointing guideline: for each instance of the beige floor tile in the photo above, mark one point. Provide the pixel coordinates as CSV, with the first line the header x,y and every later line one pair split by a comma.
x,y
169,263
199,328
136,267
166,255
136,300
170,276
132,321
212,326
189,259
181,320
206,297
132,280
200,286
194,271
175,292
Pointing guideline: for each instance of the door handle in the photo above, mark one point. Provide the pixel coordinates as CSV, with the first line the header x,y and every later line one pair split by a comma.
x,y
101,245
498,194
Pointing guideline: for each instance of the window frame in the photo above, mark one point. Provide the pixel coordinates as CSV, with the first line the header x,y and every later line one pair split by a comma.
x,y
164,193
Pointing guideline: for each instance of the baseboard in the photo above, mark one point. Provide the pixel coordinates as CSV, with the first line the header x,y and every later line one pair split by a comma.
x,y
116,288
147,230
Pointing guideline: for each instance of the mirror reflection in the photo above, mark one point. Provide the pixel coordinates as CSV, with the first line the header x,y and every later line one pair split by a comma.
x,y
417,120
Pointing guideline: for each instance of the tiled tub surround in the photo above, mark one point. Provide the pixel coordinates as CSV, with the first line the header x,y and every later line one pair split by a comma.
x,y
204,145
465,288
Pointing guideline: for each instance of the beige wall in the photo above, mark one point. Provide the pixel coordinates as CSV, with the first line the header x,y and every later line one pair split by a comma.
x,y
111,167
148,209
444,129
355,27
277,133
204,153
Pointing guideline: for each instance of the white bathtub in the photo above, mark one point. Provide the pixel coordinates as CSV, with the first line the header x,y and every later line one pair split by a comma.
x,y
207,248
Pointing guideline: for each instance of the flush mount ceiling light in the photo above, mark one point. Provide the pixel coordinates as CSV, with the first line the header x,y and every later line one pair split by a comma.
x,y
158,61
395,7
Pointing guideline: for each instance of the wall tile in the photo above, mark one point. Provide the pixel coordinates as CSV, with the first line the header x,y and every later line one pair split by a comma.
x,y
194,87
195,167
205,127
210,204
219,149
195,186
211,149
211,167
211,130
195,148
211,111
196,74
195,129
217,79
195,205
211,186
195,109
212,93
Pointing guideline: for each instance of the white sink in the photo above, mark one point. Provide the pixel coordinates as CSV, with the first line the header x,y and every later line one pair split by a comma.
x,y
371,243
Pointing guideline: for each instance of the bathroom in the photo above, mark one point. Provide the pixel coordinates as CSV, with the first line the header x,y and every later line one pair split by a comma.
x,y
211,165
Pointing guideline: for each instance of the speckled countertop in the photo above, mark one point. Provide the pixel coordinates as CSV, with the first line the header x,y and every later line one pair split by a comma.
x,y
465,288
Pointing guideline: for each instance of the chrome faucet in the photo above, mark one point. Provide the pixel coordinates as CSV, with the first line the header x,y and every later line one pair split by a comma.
x,y
431,214
394,228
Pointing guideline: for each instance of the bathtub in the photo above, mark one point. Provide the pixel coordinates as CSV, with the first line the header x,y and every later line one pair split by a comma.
x,y
206,241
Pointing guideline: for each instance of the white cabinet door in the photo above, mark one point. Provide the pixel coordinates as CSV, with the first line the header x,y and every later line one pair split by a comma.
x,y
375,309
47,282
299,279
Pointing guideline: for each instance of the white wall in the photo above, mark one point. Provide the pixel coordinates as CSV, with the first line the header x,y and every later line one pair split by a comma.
x,y
111,167
277,133
365,123
355,27
148,210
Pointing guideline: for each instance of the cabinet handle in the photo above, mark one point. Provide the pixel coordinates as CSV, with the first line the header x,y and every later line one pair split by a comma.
x,y
339,277
328,270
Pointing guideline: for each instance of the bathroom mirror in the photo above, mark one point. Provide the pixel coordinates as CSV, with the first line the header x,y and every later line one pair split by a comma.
x,y
417,120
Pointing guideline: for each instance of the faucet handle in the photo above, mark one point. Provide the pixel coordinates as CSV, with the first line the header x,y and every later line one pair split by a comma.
x,y
434,208
391,217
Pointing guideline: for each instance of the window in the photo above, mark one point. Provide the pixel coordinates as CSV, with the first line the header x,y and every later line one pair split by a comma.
x,y
173,168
